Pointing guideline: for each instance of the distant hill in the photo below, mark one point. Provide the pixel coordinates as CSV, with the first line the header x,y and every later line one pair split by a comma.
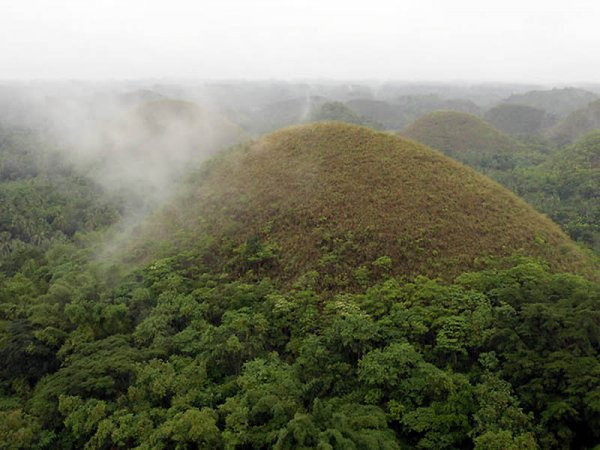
x,y
283,113
584,154
395,115
576,124
390,116
330,197
559,102
518,119
415,106
302,110
337,111
465,138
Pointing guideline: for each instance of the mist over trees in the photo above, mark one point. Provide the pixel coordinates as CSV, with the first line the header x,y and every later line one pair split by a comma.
x,y
170,279
294,225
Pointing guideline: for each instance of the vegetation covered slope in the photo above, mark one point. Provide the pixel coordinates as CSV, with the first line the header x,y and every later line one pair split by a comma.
x,y
567,188
560,183
576,124
331,197
518,119
466,138
558,102
205,349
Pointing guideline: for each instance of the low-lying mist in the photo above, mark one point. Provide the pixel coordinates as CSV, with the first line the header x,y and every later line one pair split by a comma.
x,y
136,139
134,142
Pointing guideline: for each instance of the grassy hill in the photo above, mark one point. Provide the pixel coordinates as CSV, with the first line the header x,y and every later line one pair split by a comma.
x,y
395,115
584,154
562,184
558,102
332,198
518,119
466,138
576,124
207,347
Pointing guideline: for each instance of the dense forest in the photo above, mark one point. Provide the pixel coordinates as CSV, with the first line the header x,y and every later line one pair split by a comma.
x,y
326,286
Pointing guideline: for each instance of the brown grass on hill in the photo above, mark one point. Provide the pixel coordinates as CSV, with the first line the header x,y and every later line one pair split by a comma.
x,y
334,197
462,136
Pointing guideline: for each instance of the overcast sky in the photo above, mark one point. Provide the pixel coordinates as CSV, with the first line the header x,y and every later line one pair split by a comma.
x,y
504,40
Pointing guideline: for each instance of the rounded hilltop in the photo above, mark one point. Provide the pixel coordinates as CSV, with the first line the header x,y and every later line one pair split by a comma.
x,y
519,120
582,154
558,102
332,197
576,124
464,137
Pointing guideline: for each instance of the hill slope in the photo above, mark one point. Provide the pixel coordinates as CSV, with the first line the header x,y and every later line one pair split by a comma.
x,y
417,105
567,188
558,102
582,155
206,348
339,112
331,197
576,124
283,113
465,138
518,119
397,114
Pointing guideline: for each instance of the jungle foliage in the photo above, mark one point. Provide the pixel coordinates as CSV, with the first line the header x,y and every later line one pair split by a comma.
x,y
183,353
173,355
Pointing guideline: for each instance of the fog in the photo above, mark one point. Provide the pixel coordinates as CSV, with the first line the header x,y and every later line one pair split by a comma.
x,y
535,41
134,142
138,93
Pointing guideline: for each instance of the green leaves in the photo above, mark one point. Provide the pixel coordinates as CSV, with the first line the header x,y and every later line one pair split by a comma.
x,y
502,358
338,424
387,367
268,398
18,430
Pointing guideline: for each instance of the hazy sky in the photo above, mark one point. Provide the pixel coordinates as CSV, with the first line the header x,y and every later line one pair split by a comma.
x,y
503,40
